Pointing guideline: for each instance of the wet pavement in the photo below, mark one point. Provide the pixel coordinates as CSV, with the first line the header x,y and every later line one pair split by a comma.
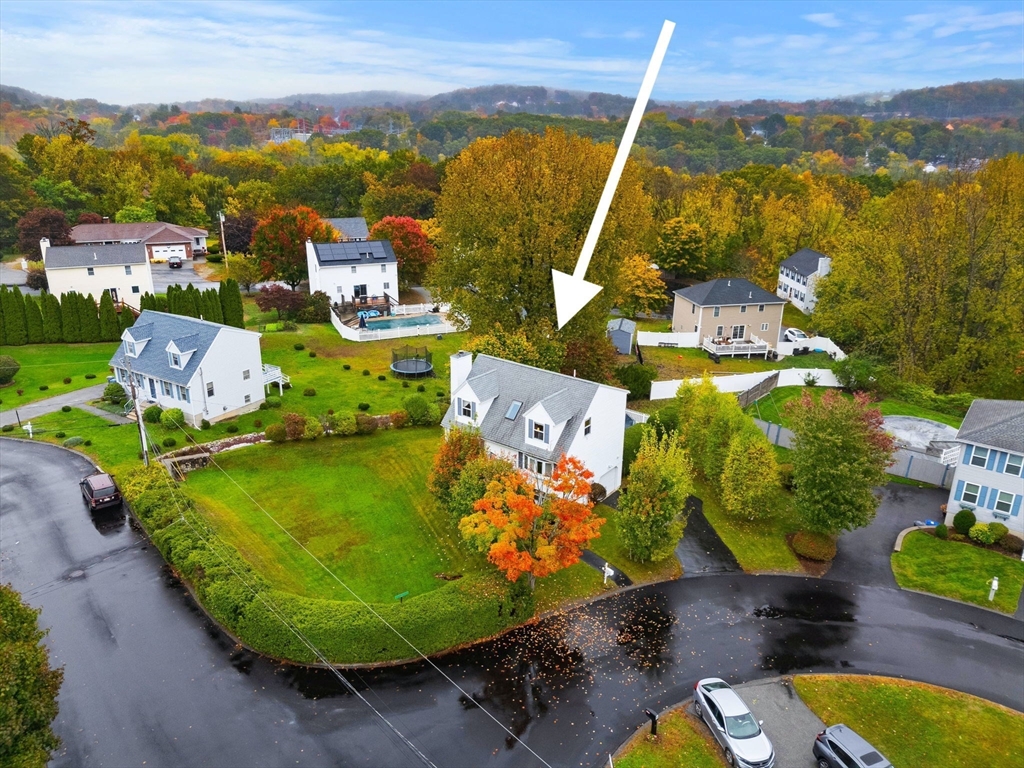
x,y
701,551
150,680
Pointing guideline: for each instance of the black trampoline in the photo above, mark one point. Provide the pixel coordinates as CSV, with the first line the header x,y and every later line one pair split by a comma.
x,y
412,362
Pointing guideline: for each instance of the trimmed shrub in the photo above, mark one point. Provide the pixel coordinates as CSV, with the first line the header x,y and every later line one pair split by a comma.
x,y
67,379
963,521
276,433
364,406
264,406
258,423
366,372
398,419
214,258
273,401
981,533
87,443
43,387
172,418
365,424
405,385
814,546
9,368
60,435
343,426
421,388
90,375
997,531
314,428
65,409
168,442
231,429
72,442
299,347
942,531
114,393
421,412
152,414
7,428
440,394
382,377
204,424
294,425
309,392
312,353
347,367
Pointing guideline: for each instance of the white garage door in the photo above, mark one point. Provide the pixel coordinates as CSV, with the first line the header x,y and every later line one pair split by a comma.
x,y
161,252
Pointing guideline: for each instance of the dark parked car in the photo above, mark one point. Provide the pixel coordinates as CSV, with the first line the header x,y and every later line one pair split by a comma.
x,y
841,747
174,262
99,490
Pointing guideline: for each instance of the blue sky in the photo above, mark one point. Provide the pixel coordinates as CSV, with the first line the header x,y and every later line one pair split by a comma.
x,y
177,51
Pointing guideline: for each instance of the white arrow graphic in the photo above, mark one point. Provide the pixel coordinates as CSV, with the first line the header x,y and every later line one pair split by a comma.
x,y
572,292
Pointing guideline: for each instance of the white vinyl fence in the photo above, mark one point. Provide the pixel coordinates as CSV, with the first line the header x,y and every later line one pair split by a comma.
x,y
654,339
815,344
741,382
691,340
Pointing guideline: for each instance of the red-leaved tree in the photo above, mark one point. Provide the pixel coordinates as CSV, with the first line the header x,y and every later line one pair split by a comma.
x,y
460,446
39,223
287,303
414,251
279,242
521,536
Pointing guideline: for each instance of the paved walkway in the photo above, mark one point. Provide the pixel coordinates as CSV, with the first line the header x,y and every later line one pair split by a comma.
x,y
75,399
701,550
598,563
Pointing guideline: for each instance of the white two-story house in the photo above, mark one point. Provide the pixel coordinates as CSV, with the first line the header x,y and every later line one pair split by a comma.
x,y
210,371
353,272
989,478
121,270
531,416
798,277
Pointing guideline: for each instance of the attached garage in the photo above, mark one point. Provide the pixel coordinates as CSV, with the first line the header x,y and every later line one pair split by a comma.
x,y
162,252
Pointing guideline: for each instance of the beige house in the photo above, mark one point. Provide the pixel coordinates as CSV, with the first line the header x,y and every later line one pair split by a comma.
x,y
729,308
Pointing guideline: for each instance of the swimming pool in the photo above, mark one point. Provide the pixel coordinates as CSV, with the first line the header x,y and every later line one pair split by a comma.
x,y
404,322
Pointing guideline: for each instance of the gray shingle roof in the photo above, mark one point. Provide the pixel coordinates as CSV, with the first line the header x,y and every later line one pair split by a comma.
x,y
999,423
144,231
162,328
353,227
485,385
804,262
187,343
563,397
622,324
353,253
77,256
728,291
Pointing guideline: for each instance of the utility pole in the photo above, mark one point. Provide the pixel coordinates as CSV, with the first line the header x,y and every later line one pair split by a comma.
x,y
223,247
138,414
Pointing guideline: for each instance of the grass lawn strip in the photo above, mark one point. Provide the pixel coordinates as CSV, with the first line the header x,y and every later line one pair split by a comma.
x,y
114,447
49,365
682,742
609,546
914,724
772,407
958,570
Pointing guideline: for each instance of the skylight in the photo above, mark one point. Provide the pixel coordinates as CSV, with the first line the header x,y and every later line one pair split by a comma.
x,y
513,410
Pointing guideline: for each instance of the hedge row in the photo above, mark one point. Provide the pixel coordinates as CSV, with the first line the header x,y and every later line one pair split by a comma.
x,y
347,633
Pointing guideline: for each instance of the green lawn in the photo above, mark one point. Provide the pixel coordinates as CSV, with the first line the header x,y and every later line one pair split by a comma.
x,y
958,570
569,585
682,742
610,547
772,407
758,546
115,448
49,365
360,504
675,363
945,727
794,318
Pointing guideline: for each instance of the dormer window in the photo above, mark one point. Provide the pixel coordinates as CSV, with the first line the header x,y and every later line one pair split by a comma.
x,y
467,408
174,360
129,348
538,431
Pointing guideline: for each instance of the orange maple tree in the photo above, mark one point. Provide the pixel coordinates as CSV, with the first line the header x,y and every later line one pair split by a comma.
x,y
521,536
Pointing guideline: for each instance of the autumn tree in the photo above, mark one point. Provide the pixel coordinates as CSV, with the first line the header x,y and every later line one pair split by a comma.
x,y
238,232
287,303
245,269
521,536
543,352
681,248
28,685
651,519
39,223
279,242
460,446
750,478
15,198
641,288
840,453
415,253
472,483
383,200
708,421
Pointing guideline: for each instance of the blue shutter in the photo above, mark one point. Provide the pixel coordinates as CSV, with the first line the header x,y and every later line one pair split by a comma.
x,y
967,454
547,433
959,487
991,463
993,495
982,495
458,406
529,428
472,409
1001,463
1016,505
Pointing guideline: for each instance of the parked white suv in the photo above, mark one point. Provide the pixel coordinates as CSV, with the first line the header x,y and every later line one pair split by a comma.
x,y
794,334
733,726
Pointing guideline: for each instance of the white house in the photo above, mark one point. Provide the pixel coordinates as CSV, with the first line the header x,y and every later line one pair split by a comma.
x,y
353,272
121,270
210,371
798,276
989,478
531,416
160,238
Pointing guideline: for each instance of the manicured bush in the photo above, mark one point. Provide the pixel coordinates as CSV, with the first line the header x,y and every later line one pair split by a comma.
x,y
941,531
168,442
264,406
309,392
421,388
273,401
312,353
7,428
313,428
814,546
343,426
365,424
997,531
87,443
9,368
294,425
399,419
172,418
114,393
439,394
299,347
60,435
981,533
90,375
67,379
231,429
258,423
204,424
152,414
364,406
405,385
71,442
382,377
421,412
65,409
347,367
44,387
963,521
276,433
214,258
366,372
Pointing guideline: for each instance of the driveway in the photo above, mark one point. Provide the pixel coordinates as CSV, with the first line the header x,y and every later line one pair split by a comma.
x,y
11,276
149,680
163,276
52,404
701,551
788,722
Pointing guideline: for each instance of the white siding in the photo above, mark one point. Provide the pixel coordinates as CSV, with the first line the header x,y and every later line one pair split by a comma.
x,y
129,287
232,352
601,450
330,278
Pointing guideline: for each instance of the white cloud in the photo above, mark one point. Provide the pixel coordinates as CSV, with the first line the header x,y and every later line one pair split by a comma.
x,y
823,19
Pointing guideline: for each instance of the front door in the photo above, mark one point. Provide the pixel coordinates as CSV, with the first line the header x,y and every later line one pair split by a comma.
x,y
152,389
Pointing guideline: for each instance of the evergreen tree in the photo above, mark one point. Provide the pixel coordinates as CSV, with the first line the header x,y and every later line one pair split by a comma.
x,y
52,331
188,302
33,320
211,299
14,317
89,319
125,320
3,314
172,291
231,303
148,301
69,321
108,318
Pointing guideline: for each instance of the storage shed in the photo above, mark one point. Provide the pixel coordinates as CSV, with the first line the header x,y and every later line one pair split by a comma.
x,y
622,331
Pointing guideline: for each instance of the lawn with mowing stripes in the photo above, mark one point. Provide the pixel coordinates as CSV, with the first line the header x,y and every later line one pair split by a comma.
x,y
359,504
49,364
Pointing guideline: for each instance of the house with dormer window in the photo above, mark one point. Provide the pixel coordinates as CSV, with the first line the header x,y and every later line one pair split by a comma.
x,y
210,371
531,416
989,478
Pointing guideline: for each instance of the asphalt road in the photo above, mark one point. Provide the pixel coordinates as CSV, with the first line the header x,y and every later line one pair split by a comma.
x,y
150,681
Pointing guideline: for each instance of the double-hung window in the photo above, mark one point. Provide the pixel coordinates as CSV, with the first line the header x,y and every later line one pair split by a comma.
x,y
538,431
245,375
764,326
174,360
383,267
167,388
1004,502
209,389
760,307
90,271
971,491
467,408
980,457
586,427
743,309
127,269
717,312
1013,465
